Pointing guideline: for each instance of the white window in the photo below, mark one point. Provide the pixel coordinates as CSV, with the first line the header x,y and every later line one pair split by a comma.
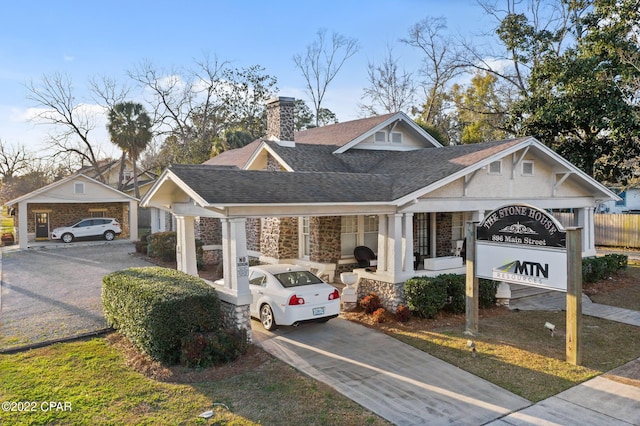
x,y
527,168
97,213
78,188
495,168
305,240
380,137
371,232
348,235
396,137
358,231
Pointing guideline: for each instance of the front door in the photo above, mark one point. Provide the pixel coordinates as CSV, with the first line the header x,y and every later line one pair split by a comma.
x,y
42,226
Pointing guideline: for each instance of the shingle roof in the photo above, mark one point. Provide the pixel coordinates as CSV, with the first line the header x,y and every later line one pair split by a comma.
x,y
354,176
231,186
340,133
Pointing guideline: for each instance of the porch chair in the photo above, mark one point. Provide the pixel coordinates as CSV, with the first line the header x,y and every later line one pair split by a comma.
x,y
364,255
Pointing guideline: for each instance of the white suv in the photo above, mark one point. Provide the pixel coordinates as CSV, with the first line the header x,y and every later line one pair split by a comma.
x,y
91,227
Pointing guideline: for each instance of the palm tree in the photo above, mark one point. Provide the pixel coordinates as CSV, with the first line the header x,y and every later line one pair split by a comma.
x,y
130,129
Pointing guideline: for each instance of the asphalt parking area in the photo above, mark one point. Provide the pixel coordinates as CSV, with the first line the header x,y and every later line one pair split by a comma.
x,y
55,293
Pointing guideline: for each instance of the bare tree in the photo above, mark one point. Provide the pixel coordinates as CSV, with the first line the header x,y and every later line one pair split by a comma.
x,y
13,160
191,108
389,88
440,64
321,62
71,119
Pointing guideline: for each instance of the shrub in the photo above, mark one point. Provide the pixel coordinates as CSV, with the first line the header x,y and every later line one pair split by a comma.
x,y
487,290
217,347
456,292
156,307
403,313
596,268
378,315
425,296
370,303
162,245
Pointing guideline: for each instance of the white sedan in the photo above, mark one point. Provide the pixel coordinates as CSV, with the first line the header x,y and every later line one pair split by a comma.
x,y
290,295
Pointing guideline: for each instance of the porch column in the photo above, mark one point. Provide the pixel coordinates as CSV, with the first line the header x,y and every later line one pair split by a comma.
x,y
235,259
382,242
186,245
394,255
23,237
433,241
407,237
585,220
133,220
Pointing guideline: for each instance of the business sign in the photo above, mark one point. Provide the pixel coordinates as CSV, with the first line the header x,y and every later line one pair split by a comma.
x,y
522,244
522,225
534,267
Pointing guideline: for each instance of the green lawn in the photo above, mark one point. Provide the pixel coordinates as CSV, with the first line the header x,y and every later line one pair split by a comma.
x,y
91,384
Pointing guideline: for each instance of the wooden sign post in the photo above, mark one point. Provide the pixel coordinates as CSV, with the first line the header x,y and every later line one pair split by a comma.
x,y
472,282
574,296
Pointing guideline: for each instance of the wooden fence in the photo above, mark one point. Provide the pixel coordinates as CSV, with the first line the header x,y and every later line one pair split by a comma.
x,y
613,230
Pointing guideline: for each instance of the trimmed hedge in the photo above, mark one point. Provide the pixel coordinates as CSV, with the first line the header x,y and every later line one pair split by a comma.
x,y
156,307
426,296
596,268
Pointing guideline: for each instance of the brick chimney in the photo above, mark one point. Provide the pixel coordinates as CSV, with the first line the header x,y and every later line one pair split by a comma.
x,y
280,119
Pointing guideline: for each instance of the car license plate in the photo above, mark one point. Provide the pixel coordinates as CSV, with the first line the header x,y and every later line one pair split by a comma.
x,y
318,311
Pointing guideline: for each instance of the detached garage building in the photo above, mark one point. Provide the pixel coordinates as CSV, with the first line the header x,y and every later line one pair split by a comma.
x,y
65,202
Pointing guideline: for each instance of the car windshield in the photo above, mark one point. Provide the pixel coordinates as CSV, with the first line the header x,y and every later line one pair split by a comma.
x,y
297,278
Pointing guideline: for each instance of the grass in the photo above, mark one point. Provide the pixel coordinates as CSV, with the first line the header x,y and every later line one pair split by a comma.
x,y
93,378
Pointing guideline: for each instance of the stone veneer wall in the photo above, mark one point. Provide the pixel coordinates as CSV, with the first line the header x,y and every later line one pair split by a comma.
x,y
391,295
67,214
209,230
236,318
279,237
253,234
443,234
324,238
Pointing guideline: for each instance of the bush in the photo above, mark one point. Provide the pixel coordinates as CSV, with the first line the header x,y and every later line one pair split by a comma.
x,y
163,245
487,296
425,296
596,268
205,349
378,315
403,313
156,307
370,303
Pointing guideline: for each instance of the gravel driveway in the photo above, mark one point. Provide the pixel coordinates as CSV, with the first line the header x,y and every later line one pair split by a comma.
x,y
55,293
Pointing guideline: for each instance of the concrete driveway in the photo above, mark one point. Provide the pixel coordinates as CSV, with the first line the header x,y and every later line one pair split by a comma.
x,y
53,293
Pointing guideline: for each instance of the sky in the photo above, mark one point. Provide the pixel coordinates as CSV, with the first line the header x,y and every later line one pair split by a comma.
x,y
85,39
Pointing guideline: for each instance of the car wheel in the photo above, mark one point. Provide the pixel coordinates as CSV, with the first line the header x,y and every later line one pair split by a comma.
x,y
109,235
67,238
266,318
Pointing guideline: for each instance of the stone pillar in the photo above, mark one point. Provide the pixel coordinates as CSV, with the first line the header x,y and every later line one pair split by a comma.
x,y
186,245
324,236
407,237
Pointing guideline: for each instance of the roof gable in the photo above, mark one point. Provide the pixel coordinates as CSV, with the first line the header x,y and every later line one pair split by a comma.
x,y
60,192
